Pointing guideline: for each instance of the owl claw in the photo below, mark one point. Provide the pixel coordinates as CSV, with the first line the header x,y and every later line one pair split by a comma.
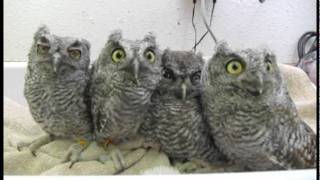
x,y
118,160
71,164
116,157
35,144
74,153
34,153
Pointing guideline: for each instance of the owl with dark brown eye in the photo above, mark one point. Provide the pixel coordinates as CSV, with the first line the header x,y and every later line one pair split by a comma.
x,y
56,90
175,118
252,117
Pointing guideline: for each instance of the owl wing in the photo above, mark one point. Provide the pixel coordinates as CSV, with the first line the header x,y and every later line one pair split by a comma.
x,y
296,142
100,91
302,143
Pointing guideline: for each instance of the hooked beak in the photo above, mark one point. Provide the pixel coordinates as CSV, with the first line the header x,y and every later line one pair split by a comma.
x,y
132,68
56,62
184,90
136,67
253,83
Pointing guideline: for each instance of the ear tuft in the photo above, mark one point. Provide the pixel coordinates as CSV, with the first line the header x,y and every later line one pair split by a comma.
x,y
42,30
165,56
222,47
150,37
86,43
269,55
115,36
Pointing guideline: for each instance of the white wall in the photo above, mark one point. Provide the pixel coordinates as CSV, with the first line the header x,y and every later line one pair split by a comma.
x,y
243,23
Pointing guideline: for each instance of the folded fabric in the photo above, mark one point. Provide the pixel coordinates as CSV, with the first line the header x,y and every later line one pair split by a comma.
x,y
20,127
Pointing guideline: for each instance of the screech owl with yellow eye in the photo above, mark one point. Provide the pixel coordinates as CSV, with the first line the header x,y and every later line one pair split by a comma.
x,y
123,79
253,120
56,90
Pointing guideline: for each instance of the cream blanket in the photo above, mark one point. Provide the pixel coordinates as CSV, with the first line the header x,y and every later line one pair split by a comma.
x,y
19,126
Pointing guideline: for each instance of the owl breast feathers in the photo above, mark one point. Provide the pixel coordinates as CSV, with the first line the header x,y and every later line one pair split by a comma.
x,y
56,83
253,120
123,79
174,119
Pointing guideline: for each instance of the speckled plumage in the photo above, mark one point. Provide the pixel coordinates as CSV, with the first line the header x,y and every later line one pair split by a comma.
x,y
175,118
121,90
56,85
253,119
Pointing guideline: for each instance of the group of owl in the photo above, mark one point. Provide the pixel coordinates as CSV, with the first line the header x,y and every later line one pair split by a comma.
x,y
235,107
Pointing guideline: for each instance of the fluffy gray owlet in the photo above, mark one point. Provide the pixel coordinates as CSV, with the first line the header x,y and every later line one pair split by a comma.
x,y
175,118
123,80
253,119
55,89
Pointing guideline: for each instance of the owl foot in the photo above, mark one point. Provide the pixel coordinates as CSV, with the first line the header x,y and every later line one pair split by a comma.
x,y
35,144
152,145
116,157
192,166
74,152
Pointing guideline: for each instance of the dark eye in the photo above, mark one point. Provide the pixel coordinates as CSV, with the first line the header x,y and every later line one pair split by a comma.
x,y
196,76
74,54
168,74
269,66
42,49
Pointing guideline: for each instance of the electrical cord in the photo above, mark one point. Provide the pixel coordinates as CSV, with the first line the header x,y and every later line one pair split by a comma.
x,y
205,34
205,21
193,25
208,26
305,38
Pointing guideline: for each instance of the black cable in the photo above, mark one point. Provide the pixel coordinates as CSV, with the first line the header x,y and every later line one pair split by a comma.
x,y
202,6
193,24
302,52
205,34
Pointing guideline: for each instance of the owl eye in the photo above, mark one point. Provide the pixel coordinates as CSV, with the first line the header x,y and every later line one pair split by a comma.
x,y
74,54
118,55
234,67
168,74
150,56
42,49
269,66
196,76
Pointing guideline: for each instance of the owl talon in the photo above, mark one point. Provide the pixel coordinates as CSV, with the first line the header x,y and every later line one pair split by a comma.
x,y
35,144
192,166
116,157
34,153
118,160
71,164
74,152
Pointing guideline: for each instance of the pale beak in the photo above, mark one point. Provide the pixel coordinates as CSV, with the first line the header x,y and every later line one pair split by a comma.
x,y
56,62
184,90
136,67
253,83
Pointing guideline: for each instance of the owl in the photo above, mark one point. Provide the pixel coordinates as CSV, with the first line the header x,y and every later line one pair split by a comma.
x,y
253,120
56,90
175,120
123,79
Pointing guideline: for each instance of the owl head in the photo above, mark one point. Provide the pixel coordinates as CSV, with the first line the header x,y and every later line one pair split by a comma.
x,y
249,74
58,56
137,61
181,74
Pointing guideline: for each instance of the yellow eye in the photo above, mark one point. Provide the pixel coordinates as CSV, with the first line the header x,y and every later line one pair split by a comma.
x,y
234,67
42,49
74,54
118,55
150,56
269,66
